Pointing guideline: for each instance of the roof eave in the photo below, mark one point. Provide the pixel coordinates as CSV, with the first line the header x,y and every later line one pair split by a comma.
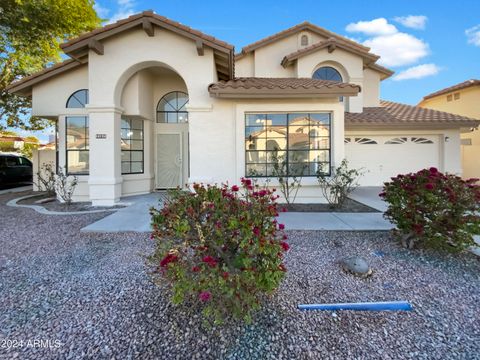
x,y
249,94
410,125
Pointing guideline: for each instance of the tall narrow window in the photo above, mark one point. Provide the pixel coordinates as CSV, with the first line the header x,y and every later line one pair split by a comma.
x,y
132,146
304,40
172,108
77,145
78,99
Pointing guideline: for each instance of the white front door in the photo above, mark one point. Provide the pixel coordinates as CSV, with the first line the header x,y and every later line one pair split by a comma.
x,y
169,161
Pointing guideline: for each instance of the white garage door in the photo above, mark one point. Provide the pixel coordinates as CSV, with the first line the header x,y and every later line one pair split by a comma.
x,y
386,156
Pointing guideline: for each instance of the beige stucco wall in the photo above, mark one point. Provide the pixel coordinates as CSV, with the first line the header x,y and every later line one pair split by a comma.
x,y
371,88
49,97
265,61
467,105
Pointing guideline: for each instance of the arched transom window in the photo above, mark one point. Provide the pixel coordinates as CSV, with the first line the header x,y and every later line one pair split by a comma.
x,y
327,73
172,108
78,99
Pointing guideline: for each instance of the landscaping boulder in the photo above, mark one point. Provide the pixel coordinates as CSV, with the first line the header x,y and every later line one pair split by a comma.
x,y
356,265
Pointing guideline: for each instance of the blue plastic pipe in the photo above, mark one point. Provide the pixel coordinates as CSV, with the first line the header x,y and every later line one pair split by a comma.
x,y
370,306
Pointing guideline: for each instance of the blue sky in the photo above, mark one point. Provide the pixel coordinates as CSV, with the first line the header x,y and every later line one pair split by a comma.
x,y
430,44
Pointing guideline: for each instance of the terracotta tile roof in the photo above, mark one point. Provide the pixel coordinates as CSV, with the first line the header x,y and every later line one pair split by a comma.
x,y
330,43
145,14
462,85
251,87
396,114
294,29
43,74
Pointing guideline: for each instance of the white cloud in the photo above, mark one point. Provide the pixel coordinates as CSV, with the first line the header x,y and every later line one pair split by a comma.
x,y
378,26
418,72
473,35
412,21
398,49
125,8
395,48
102,12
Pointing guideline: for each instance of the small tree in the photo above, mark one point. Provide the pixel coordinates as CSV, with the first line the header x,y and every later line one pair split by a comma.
x,y
336,187
46,179
65,186
289,184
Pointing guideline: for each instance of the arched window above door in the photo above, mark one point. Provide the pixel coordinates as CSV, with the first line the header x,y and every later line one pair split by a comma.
x,y
171,108
327,73
78,99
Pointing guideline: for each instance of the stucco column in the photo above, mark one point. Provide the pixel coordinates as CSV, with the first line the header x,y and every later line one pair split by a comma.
x,y
355,103
338,135
105,180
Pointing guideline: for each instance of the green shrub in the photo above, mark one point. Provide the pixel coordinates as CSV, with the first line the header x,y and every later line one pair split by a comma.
x,y
220,247
336,187
434,209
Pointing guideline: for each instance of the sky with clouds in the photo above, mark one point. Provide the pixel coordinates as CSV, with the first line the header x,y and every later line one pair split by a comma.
x,y
430,44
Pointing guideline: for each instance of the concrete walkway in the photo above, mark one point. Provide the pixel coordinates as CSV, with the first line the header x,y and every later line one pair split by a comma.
x,y
135,217
368,195
334,221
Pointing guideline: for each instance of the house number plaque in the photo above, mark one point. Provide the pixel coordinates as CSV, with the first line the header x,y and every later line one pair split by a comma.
x,y
100,136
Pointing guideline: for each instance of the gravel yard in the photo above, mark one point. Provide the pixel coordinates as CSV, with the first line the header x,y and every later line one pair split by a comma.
x,y
90,296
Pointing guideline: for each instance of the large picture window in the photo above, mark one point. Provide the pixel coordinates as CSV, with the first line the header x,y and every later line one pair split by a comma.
x,y
132,146
297,144
77,145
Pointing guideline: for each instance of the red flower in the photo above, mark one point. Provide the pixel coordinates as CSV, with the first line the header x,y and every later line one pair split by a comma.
x,y
196,269
418,228
205,296
429,186
282,267
210,261
225,275
285,246
246,182
235,188
168,259
256,231
433,170
281,226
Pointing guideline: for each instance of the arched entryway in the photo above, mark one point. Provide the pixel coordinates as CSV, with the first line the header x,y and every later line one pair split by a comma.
x,y
154,101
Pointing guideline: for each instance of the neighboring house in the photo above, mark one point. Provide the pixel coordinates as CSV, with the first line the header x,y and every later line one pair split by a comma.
x,y
148,103
462,99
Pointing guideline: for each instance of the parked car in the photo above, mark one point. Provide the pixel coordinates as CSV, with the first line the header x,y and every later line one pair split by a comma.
x,y
15,169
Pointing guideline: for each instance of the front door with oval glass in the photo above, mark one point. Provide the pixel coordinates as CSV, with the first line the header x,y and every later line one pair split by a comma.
x,y
169,161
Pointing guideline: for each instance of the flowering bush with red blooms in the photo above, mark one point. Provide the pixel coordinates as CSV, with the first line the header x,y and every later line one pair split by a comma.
x,y
220,247
434,209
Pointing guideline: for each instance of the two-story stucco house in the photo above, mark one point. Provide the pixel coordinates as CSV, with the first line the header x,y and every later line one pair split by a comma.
x,y
147,103
462,99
